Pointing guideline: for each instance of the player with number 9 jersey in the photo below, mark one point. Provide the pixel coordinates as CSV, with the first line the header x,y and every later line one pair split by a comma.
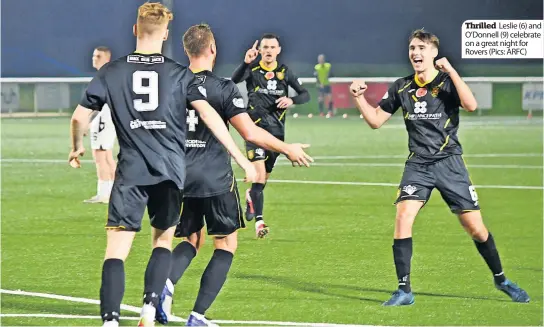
x,y
147,95
148,110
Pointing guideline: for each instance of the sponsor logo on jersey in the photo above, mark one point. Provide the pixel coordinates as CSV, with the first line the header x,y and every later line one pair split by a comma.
x,y
140,59
147,124
269,75
421,92
424,116
195,144
271,92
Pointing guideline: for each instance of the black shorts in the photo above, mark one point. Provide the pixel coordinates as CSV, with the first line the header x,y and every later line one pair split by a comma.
x,y
128,203
222,213
449,176
325,90
256,153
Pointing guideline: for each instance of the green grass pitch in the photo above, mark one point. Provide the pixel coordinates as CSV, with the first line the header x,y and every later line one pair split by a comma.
x,y
328,258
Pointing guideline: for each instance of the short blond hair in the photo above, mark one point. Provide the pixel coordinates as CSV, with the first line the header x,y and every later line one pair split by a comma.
x,y
197,39
151,17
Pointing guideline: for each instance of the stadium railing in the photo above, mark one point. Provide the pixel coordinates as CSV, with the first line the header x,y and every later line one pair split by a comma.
x,y
59,96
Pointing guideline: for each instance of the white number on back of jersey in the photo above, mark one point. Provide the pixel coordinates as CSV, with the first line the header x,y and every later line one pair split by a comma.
x,y
151,90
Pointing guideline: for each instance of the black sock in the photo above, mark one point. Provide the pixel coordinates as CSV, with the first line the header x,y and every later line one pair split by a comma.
x,y
213,279
182,256
330,106
402,254
491,256
321,107
112,289
156,274
257,197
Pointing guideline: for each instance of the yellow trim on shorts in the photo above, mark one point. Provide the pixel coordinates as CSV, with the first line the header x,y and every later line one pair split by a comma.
x,y
406,116
240,216
232,186
114,227
411,155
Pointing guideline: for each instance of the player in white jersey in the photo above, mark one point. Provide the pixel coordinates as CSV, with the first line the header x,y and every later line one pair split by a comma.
x,y
102,133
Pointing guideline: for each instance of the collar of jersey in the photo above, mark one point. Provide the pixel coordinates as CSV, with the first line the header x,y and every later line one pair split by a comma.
x,y
261,63
196,71
427,82
147,53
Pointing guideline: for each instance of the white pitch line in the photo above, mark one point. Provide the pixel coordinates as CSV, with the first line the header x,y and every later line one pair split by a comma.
x,y
57,316
404,156
288,181
325,164
137,310
513,187
381,164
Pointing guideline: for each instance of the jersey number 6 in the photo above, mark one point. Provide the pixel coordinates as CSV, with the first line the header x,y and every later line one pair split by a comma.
x,y
151,89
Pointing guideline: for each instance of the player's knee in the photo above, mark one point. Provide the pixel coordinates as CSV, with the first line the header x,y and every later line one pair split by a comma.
x,y
477,232
196,239
405,215
118,248
227,243
163,238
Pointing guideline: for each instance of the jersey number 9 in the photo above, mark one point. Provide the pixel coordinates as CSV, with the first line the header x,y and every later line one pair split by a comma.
x,y
151,89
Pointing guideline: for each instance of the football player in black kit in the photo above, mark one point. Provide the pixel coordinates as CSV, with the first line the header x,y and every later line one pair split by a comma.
x,y
148,95
211,195
430,100
267,83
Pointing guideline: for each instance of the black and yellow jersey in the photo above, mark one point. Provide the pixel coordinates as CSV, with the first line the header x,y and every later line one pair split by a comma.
x,y
431,115
266,85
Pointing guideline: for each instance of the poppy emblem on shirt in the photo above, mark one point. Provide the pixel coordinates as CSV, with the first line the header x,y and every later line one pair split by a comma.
x,y
269,75
421,92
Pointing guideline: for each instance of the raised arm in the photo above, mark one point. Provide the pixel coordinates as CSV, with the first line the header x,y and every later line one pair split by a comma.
x,y
374,117
466,97
241,73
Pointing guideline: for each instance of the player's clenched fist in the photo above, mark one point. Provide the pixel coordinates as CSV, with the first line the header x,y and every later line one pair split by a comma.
x,y
444,65
357,88
252,53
